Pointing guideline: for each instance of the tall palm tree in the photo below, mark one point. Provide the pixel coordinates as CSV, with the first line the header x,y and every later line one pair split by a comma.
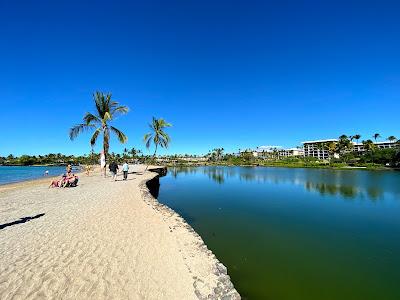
x,y
157,136
106,111
392,139
376,136
357,137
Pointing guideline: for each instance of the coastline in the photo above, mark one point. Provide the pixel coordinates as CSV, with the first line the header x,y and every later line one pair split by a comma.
x,y
99,242
287,166
221,286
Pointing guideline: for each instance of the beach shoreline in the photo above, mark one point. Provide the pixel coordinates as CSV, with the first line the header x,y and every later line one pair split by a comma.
x,y
102,240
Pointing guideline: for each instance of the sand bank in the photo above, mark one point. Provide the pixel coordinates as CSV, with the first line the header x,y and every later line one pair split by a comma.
x,y
101,240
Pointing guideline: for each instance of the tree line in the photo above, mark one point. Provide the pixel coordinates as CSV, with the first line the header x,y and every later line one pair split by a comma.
x,y
99,123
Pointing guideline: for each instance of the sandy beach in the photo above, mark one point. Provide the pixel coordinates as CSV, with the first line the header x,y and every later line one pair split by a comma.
x,y
101,240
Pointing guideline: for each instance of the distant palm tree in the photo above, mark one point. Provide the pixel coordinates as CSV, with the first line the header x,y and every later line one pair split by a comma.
x,y
392,138
376,136
368,145
343,137
106,111
332,148
219,152
133,152
357,137
157,136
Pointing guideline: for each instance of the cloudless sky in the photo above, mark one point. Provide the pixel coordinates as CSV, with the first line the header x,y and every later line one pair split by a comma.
x,y
232,74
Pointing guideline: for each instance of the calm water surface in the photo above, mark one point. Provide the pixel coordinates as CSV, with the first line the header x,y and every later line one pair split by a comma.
x,y
296,233
10,174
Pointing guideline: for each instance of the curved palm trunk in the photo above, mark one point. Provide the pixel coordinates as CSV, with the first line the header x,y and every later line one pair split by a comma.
x,y
154,155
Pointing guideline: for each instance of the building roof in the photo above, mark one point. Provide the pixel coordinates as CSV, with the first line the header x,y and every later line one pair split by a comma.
x,y
320,141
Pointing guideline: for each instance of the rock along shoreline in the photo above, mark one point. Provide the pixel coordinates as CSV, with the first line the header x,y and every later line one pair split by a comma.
x,y
217,284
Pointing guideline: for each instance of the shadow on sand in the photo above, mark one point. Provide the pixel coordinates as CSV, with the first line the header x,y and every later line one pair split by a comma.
x,y
20,221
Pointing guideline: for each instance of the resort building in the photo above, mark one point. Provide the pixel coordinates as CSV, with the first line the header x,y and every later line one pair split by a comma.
x,y
273,152
292,152
317,148
380,145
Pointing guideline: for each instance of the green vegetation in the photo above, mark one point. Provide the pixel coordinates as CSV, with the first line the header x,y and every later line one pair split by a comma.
x,y
341,152
61,159
157,136
106,111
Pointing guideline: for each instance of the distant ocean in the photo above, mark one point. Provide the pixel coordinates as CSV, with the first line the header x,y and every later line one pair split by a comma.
x,y
11,174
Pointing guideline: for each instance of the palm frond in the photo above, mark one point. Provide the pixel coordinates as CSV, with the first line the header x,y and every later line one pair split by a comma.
x,y
94,137
147,139
120,135
119,110
89,118
99,100
78,129
163,123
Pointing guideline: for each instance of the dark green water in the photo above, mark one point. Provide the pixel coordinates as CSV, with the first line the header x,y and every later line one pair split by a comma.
x,y
296,233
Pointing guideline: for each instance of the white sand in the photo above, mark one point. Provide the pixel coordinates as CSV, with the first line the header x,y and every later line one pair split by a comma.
x,y
102,240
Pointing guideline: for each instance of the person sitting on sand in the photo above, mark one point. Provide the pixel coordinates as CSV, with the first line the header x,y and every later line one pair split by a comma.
x,y
67,180
56,183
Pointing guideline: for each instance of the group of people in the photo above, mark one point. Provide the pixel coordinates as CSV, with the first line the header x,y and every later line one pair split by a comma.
x,y
69,179
114,170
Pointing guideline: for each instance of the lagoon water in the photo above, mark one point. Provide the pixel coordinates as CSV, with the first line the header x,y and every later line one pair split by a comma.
x,y
298,234
10,174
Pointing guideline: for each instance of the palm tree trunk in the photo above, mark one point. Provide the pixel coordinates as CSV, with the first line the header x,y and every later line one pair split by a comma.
x,y
154,155
106,147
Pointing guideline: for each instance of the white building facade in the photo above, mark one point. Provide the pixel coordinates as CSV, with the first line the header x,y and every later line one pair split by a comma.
x,y
317,148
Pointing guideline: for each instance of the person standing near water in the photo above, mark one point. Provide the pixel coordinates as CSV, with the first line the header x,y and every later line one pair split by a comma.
x,y
113,169
125,169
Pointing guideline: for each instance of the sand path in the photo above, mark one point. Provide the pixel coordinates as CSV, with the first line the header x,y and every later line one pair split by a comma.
x,y
102,240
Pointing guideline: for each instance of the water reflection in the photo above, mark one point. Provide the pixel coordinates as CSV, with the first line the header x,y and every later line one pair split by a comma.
x,y
347,184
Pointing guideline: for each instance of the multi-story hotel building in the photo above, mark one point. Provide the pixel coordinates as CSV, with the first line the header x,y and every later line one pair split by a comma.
x,y
314,149
380,145
274,152
290,152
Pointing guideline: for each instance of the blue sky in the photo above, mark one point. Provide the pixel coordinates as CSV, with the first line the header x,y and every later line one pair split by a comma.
x,y
232,74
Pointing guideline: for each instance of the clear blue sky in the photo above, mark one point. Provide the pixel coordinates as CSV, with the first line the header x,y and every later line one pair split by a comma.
x,y
232,74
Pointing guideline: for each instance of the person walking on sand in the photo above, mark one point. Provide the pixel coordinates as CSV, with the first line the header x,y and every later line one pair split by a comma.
x,y
113,169
125,169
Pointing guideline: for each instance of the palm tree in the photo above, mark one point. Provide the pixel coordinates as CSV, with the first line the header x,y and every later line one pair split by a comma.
x,y
332,148
392,138
133,152
357,137
106,111
368,145
376,136
157,136
219,152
